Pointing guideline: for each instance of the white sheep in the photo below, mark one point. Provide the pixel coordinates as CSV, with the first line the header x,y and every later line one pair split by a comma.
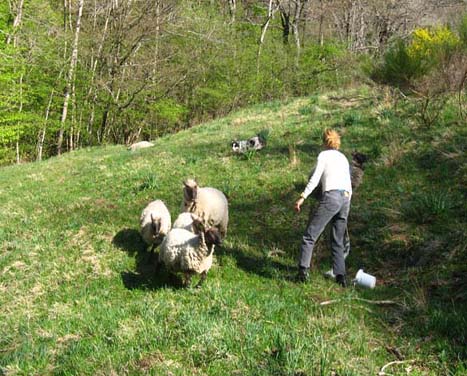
x,y
189,253
207,203
140,145
155,223
184,221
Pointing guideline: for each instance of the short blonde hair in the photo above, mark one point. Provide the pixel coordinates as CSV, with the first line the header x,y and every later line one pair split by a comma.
x,y
331,139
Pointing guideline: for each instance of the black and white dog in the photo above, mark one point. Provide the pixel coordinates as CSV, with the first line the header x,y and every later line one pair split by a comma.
x,y
254,143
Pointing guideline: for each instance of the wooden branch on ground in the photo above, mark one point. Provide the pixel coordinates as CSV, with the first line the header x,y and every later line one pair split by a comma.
x,y
382,373
377,302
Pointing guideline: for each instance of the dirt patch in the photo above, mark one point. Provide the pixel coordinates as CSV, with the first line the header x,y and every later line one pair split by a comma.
x,y
150,360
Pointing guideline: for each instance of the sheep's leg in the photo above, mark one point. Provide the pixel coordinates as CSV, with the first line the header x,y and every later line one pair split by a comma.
x,y
202,279
157,264
187,279
156,243
153,256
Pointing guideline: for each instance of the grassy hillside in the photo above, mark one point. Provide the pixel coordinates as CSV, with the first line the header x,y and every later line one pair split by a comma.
x,y
79,294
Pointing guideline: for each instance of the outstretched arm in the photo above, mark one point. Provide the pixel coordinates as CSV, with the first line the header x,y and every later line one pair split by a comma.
x,y
312,183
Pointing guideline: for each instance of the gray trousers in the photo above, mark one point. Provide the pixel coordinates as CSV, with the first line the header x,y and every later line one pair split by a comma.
x,y
334,207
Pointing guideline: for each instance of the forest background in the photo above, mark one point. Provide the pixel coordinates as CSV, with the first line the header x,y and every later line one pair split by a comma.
x,y
77,73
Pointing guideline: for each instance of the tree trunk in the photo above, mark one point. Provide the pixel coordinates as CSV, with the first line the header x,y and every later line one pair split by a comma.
x,y
233,10
91,98
272,8
16,23
70,78
321,24
41,138
12,38
285,21
299,5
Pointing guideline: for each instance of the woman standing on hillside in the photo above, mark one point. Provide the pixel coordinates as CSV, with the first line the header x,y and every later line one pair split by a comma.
x,y
332,170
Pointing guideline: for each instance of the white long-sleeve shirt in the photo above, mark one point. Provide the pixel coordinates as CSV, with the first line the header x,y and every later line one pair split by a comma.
x,y
332,170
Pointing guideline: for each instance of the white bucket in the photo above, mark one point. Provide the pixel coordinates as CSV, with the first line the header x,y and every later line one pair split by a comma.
x,y
365,280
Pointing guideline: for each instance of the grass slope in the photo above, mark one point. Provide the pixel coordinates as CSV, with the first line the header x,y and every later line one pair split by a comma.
x,y
79,294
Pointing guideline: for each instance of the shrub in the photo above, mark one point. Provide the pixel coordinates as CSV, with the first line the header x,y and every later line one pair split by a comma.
x,y
351,118
398,67
405,62
149,181
427,207
169,113
430,44
462,30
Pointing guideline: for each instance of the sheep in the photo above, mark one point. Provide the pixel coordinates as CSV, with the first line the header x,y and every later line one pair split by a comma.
x,y
189,253
155,223
140,145
185,221
207,203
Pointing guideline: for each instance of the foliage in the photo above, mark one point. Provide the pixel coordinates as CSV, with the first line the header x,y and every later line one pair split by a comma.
x,y
462,30
168,114
427,67
399,67
427,207
144,71
426,43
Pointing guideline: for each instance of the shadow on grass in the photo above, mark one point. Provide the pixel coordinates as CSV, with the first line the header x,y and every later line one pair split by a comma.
x,y
148,273
262,265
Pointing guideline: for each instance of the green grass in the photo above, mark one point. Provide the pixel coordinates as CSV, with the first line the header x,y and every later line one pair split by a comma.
x,y
80,296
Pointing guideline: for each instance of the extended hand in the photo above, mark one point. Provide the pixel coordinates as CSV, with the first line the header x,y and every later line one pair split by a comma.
x,y
298,204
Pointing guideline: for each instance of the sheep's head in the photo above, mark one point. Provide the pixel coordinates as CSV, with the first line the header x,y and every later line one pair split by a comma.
x,y
190,190
212,236
156,226
198,224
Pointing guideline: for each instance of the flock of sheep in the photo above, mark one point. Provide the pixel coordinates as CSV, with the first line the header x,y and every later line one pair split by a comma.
x,y
188,245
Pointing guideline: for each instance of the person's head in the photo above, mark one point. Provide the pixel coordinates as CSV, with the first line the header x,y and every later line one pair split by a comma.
x,y
331,139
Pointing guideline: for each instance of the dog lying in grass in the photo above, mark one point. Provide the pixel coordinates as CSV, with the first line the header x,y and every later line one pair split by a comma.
x,y
257,142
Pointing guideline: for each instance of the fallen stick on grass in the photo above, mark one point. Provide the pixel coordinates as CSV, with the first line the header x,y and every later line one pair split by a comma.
x,y
378,302
382,373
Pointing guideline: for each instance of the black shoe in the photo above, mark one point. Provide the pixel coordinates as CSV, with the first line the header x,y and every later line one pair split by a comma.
x,y
303,274
340,279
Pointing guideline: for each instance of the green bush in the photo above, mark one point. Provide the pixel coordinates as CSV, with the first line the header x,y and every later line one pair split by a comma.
x,y
398,67
351,118
428,207
169,113
462,30
318,67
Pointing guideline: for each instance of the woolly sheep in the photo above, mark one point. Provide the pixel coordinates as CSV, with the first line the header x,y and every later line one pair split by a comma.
x,y
155,223
189,253
184,221
208,203
140,145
